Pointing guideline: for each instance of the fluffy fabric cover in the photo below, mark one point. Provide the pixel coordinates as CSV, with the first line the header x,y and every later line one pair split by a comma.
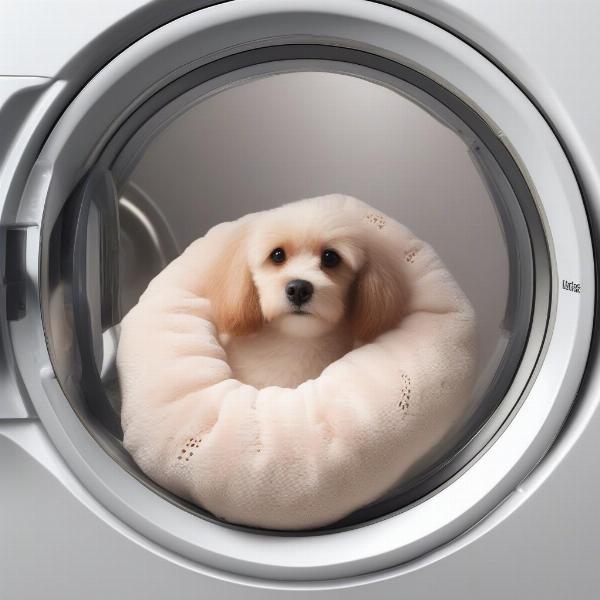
x,y
292,458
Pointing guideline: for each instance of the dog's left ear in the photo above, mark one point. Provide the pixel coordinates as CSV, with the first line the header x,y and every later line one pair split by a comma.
x,y
234,297
378,295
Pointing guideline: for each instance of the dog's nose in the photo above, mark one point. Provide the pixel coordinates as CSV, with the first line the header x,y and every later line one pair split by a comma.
x,y
299,291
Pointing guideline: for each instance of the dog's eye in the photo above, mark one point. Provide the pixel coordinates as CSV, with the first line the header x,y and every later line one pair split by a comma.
x,y
278,255
330,259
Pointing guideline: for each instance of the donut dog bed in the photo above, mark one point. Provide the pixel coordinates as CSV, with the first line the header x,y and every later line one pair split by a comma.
x,y
293,458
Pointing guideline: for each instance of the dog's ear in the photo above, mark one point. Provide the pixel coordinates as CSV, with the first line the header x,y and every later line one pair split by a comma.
x,y
378,297
233,295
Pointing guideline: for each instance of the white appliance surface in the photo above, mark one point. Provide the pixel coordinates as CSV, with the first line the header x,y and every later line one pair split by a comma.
x,y
58,541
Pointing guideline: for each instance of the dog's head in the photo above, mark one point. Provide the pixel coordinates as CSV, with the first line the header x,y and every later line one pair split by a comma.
x,y
304,268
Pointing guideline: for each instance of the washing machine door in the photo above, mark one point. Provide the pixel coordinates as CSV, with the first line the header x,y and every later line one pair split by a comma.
x,y
97,220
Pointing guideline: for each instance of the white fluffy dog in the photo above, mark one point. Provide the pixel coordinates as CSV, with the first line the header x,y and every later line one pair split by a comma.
x,y
301,286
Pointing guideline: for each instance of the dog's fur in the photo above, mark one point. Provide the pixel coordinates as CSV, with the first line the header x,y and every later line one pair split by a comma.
x,y
269,340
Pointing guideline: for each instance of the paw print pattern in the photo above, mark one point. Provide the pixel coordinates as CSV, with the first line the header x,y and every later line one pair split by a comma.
x,y
375,219
405,392
188,451
410,255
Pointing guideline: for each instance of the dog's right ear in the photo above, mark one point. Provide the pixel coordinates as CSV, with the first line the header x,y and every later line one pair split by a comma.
x,y
233,295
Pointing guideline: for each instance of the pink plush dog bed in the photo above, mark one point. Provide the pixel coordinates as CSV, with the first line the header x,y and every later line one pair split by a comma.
x,y
292,458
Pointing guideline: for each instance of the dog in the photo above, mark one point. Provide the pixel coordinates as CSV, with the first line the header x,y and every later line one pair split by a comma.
x,y
301,286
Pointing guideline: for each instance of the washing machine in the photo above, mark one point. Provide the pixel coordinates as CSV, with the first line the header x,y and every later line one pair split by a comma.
x,y
129,128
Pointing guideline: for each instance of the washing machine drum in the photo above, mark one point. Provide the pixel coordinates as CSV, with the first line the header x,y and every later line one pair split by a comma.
x,y
228,111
